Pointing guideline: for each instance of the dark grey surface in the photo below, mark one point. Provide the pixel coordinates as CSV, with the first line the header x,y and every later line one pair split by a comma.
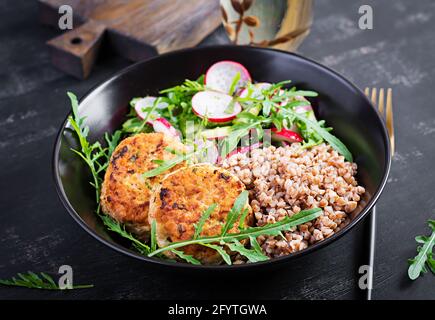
x,y
37,234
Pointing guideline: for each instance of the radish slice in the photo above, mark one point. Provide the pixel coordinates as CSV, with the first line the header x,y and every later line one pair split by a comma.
x,y
215,106
285,143
148,102
307,109
145,103
207,151
162,125
142,114
242,150
302,109
286,135
245,149
220,76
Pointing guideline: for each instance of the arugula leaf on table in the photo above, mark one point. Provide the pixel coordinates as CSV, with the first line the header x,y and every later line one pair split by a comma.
x,y
431,262
42,280
424,258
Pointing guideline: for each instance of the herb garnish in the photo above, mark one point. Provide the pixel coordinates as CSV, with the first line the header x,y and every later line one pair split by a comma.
x,y
118,228
165,165
424,258
203,219
232,238
218,243
234,83
153,235
253,255
34,281
332,140
94,155
186,257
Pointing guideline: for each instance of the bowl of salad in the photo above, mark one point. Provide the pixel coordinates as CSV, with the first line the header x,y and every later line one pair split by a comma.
x,y
224,157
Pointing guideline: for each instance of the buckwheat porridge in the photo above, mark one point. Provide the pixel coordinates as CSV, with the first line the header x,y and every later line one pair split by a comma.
x,y
285,180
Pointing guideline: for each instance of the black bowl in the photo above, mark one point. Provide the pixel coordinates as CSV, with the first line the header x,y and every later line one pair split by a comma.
x,y
340,103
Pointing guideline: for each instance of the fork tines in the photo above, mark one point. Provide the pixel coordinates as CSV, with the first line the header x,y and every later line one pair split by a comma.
x,y
385,108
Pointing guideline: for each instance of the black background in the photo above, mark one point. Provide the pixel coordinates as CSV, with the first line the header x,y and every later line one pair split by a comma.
x,y
37,234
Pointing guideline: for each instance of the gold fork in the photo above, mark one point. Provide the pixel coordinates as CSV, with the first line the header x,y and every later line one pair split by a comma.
x,y
386,113
385,108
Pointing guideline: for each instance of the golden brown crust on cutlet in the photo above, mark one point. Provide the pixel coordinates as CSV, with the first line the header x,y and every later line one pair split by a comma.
x,y
125,193
180,199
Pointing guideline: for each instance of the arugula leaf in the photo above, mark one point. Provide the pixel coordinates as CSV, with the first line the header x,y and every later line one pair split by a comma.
x,y
303,93
234,83
252,255
418,264
32,280
153,235
268,229
232,140
267,106
186,257
225,256
230,108
92,154
174,151
255,245
332,140
158,161
212,242
116,227
235,212
203,219
112,142
431,262
165,166
242,219
276,87
134,125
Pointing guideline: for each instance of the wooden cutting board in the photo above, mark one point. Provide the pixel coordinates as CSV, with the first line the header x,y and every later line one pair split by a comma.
x,y
134,29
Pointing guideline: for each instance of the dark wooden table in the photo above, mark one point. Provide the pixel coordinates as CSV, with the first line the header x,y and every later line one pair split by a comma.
x,y
37,234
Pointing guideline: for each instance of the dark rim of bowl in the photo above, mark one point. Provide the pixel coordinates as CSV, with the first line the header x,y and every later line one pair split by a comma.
x,y
99,87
